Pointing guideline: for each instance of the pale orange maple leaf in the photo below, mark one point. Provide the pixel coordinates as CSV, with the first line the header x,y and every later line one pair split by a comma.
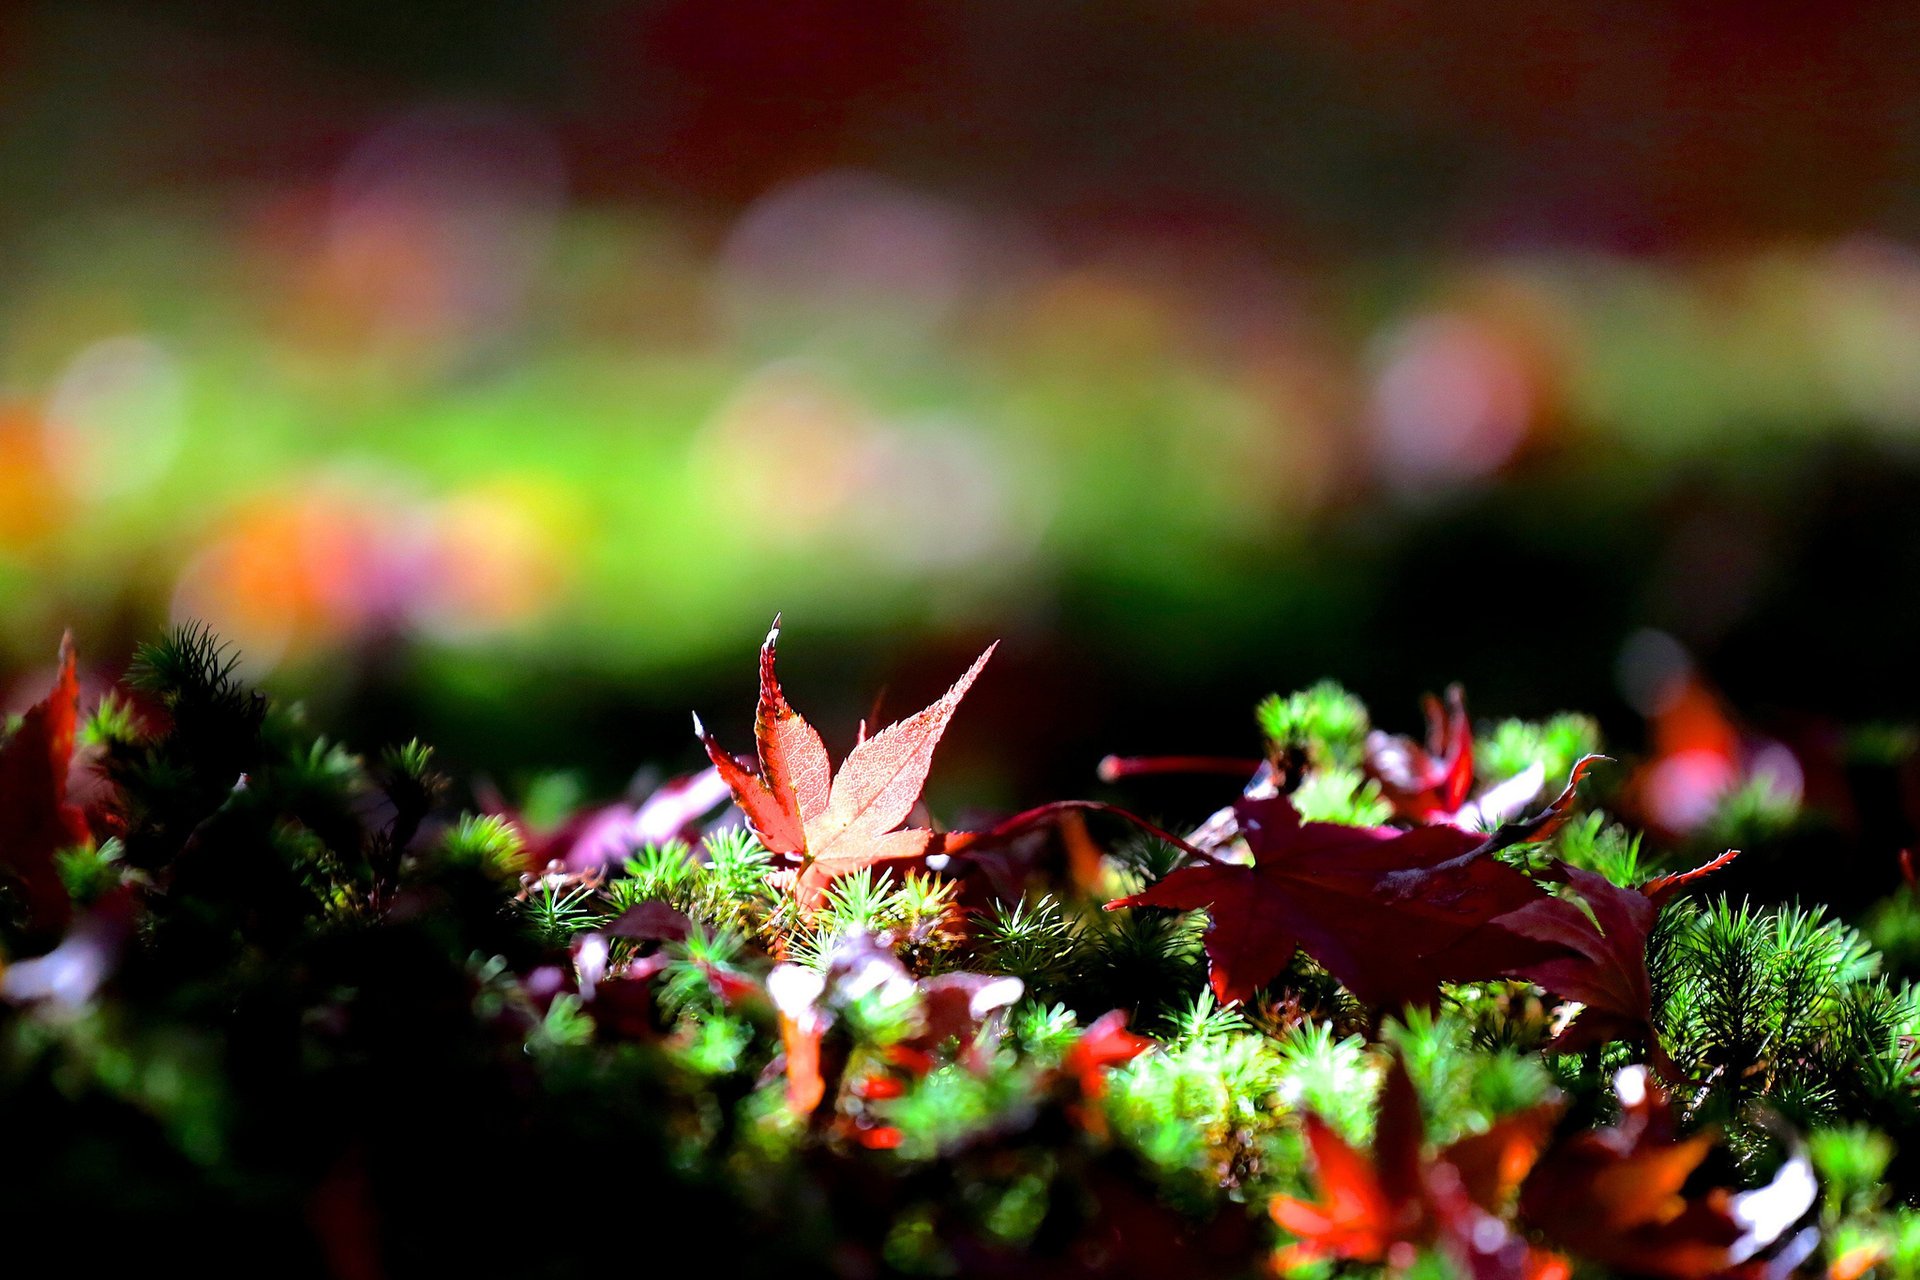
x,y
834,823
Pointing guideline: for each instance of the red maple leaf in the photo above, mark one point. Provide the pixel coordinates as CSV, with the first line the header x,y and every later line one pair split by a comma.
x,y
834,823
1617,1196
1390,913
1427,783
1385,1207
36,821
1602,958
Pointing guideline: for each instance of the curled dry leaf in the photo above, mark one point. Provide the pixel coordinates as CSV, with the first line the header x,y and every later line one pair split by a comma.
x,y
952,1008
1427,783
1543,824
651,921
795,992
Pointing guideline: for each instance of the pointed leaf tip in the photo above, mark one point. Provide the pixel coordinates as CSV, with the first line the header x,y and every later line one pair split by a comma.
x,y
879,782
1586,762
1660,888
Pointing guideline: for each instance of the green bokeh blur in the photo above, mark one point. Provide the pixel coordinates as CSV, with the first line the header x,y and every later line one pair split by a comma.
x,y
502,388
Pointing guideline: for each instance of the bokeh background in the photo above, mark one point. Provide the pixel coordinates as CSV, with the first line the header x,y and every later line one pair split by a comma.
x,y
494,371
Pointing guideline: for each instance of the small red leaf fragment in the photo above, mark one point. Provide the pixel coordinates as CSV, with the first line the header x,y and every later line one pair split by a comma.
x,y
1106,1042
1542,825
795,993
956,1007
878,1088
651,921
883,1137
1857,1261
1663,887
36,821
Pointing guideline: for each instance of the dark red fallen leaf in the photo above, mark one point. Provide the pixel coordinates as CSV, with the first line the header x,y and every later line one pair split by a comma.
x,y
1601,959
36,820
342,1212
1431,782
623,1007
834,823
1385,1206
1120,1230
1617,1196
651,922
1392,914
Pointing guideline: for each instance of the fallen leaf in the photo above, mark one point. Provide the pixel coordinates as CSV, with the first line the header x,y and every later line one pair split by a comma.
x,y
36,820
1601,958
68,977
1427,783
651,921
795,993
1392,914
956,1007
834,823
1104,1043
1543,824
600,837
1385,1206
1618,1196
